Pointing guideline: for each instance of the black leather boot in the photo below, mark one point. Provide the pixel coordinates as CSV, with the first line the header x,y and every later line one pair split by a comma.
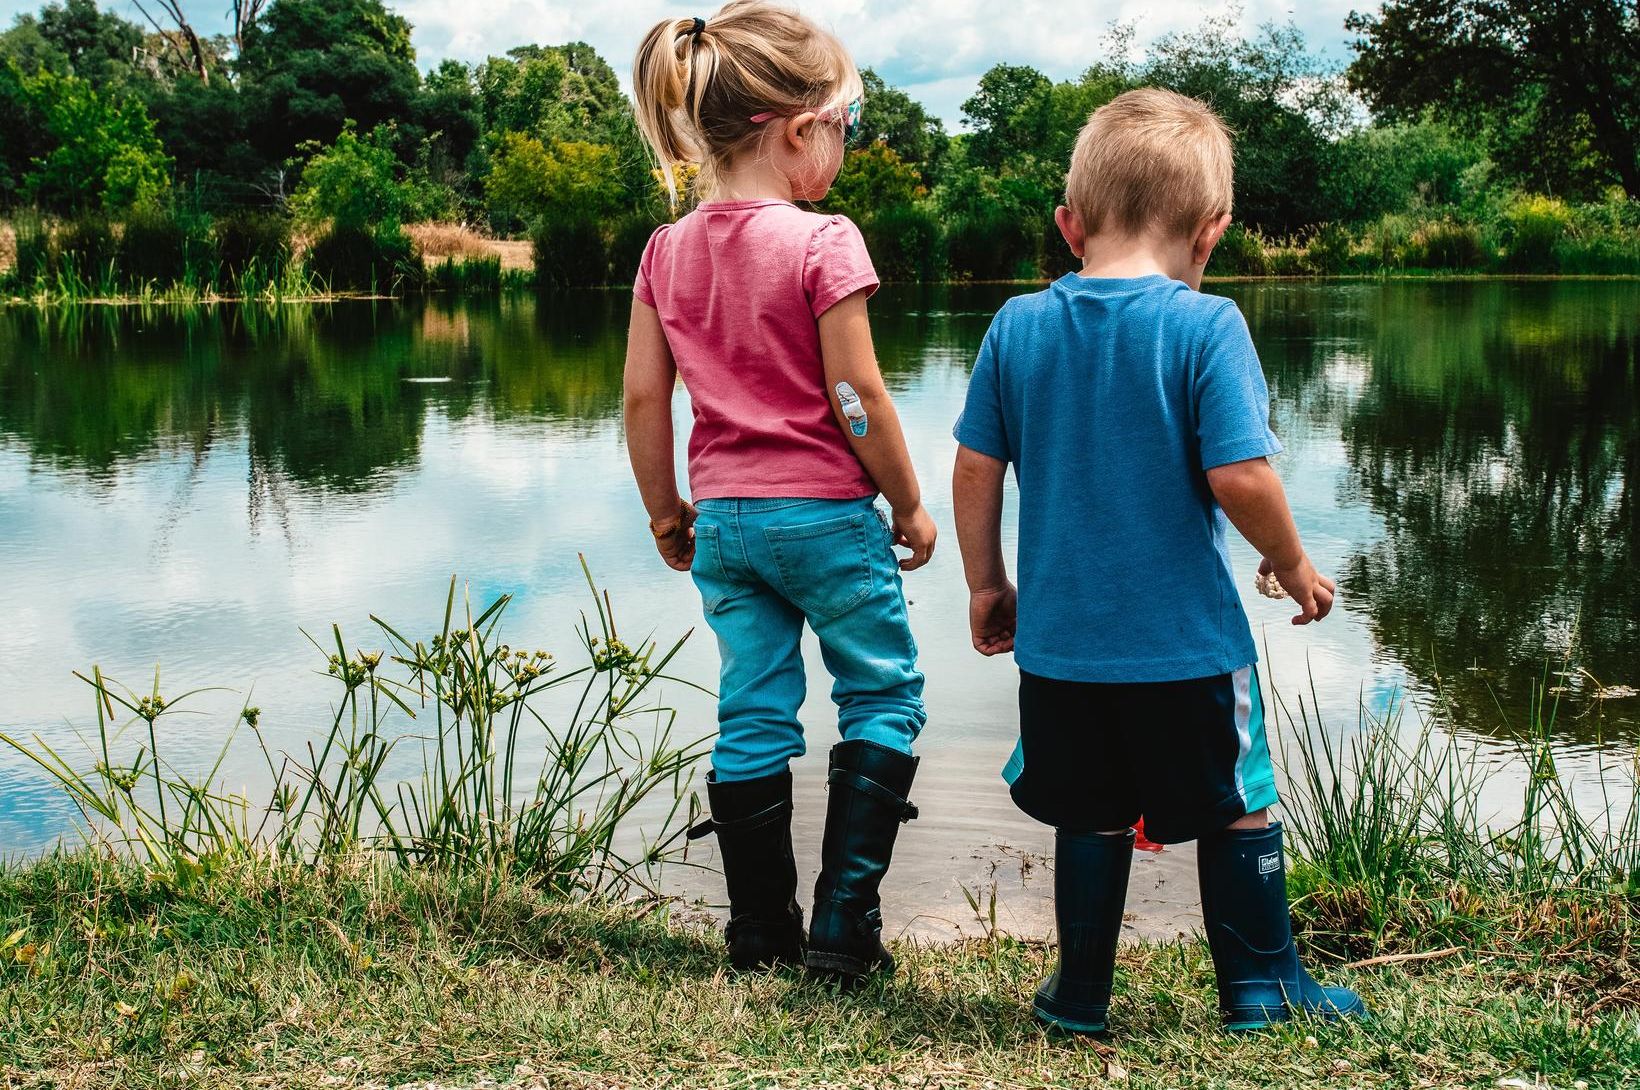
x,y
1244,909
1090,879
869,784
753,823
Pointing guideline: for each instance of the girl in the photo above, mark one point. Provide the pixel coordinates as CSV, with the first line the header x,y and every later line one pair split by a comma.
x,y
761,307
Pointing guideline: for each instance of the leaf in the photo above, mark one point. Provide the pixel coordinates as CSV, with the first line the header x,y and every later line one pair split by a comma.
x,y
124,1009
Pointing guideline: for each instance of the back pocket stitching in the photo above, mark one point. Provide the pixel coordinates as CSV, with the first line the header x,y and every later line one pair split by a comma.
x,y
778,535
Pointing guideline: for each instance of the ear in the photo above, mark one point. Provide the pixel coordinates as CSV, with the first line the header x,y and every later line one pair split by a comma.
x,y
800,129
1206,237
1070,228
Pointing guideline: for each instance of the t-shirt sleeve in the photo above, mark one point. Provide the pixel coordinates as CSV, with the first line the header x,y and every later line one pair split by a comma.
x,y
643,288
837,265
982,426
1232,400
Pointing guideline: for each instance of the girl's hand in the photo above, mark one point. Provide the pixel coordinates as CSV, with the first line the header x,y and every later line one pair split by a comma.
x,y
675,537
915,530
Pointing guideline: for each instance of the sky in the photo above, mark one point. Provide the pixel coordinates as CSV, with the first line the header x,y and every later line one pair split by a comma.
x,y
934,49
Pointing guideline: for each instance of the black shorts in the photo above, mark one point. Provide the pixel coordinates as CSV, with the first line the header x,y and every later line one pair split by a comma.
x,y
1190,757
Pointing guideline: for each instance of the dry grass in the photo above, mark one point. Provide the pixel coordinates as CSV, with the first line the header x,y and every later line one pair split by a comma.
x,y
8,246
438,241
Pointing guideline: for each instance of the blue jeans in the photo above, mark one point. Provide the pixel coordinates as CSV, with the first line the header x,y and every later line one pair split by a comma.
x,y
763,567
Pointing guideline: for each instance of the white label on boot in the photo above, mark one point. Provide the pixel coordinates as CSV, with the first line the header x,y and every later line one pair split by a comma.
x,y
1269,864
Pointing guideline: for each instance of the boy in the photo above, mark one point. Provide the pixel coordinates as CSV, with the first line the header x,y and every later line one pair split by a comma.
x,y
1135,414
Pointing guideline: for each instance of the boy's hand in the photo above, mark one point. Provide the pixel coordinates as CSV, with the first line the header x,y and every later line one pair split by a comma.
x,y
992,615
915,530
675,537
1311,591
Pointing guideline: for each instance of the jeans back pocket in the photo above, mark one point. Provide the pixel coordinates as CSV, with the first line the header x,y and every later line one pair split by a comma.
x,y
824,567
710,577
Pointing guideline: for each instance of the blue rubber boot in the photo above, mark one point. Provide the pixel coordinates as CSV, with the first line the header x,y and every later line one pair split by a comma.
x,y
1090,880
1250,933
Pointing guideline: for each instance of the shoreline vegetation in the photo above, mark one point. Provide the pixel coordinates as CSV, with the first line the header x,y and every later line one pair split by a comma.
x,y
290,160
492,918
454,260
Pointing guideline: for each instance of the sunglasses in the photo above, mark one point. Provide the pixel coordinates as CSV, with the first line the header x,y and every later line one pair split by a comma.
x,y
848,113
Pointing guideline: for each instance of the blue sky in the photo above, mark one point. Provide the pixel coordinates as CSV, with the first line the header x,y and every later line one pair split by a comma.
x,y
935,50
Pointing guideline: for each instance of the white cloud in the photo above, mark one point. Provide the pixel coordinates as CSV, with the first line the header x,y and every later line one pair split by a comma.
x,y
938,51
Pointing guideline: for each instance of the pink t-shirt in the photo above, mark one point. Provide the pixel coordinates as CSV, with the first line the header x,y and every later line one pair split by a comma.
x,y
740,287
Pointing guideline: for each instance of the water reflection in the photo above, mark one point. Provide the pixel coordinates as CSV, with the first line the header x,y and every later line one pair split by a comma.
x,y
194,485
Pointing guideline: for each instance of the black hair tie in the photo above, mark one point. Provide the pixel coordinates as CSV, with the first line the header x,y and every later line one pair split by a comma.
x,y
699,28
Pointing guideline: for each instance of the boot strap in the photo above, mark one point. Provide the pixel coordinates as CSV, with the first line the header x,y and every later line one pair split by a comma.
x,y
875,790
755,821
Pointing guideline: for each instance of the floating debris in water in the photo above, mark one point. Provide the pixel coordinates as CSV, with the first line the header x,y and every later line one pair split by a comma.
x,y
428,380
1616,692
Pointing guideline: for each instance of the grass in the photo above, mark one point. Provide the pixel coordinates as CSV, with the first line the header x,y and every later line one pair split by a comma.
x,y
359,973
488,919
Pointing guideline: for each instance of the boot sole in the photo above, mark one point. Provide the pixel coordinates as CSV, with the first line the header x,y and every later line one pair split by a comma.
x,y
1068,1025
843,965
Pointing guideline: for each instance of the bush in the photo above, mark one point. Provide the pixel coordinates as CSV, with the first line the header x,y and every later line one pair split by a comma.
x,y
1328,251
1240,252
627,242
1533,228
1446,244
361,259
570,253
905,243
84,249
162,247
991,244
248,239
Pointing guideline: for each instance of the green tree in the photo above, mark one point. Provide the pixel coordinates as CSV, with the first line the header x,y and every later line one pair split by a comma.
x,y
893,118
1569,71
309,66
100,152
998,115
74,39
571,180
872,178
353,183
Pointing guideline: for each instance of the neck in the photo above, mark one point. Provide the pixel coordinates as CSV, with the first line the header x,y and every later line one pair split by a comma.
x,y
752,180
1146,254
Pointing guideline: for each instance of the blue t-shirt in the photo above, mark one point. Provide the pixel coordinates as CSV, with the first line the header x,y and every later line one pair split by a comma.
x,y
1112,398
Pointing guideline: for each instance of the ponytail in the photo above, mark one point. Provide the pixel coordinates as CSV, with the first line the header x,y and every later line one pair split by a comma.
x,y
698,82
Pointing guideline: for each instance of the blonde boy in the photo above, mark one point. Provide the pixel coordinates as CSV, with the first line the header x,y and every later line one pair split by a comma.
x,y
1134,412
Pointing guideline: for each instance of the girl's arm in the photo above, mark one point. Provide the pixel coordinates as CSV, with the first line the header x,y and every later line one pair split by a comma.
x,y
650,377
849,357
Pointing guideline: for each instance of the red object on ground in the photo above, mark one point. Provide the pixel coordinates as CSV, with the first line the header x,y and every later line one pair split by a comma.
x,y
1140,842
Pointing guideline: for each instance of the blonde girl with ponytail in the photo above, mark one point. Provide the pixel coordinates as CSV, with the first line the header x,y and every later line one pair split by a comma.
x,y
760,306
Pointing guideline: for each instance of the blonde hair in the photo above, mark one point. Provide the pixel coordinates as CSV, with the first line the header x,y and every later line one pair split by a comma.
x,y
1150,158
697,90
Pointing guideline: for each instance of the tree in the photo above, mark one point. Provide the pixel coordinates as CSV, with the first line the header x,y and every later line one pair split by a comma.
x,y
572,180
309,66
893,118
1573,69
872,178
99,151
73,39
353,183
998,116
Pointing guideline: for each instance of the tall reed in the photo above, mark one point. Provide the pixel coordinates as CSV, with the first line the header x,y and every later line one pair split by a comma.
x,y
505,784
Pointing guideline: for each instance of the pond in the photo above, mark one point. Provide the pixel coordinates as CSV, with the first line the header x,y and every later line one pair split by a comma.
x,y
196,488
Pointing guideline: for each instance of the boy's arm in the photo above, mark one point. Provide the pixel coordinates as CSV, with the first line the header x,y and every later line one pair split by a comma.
x,y
1252,497
849,357
647,388
976,485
